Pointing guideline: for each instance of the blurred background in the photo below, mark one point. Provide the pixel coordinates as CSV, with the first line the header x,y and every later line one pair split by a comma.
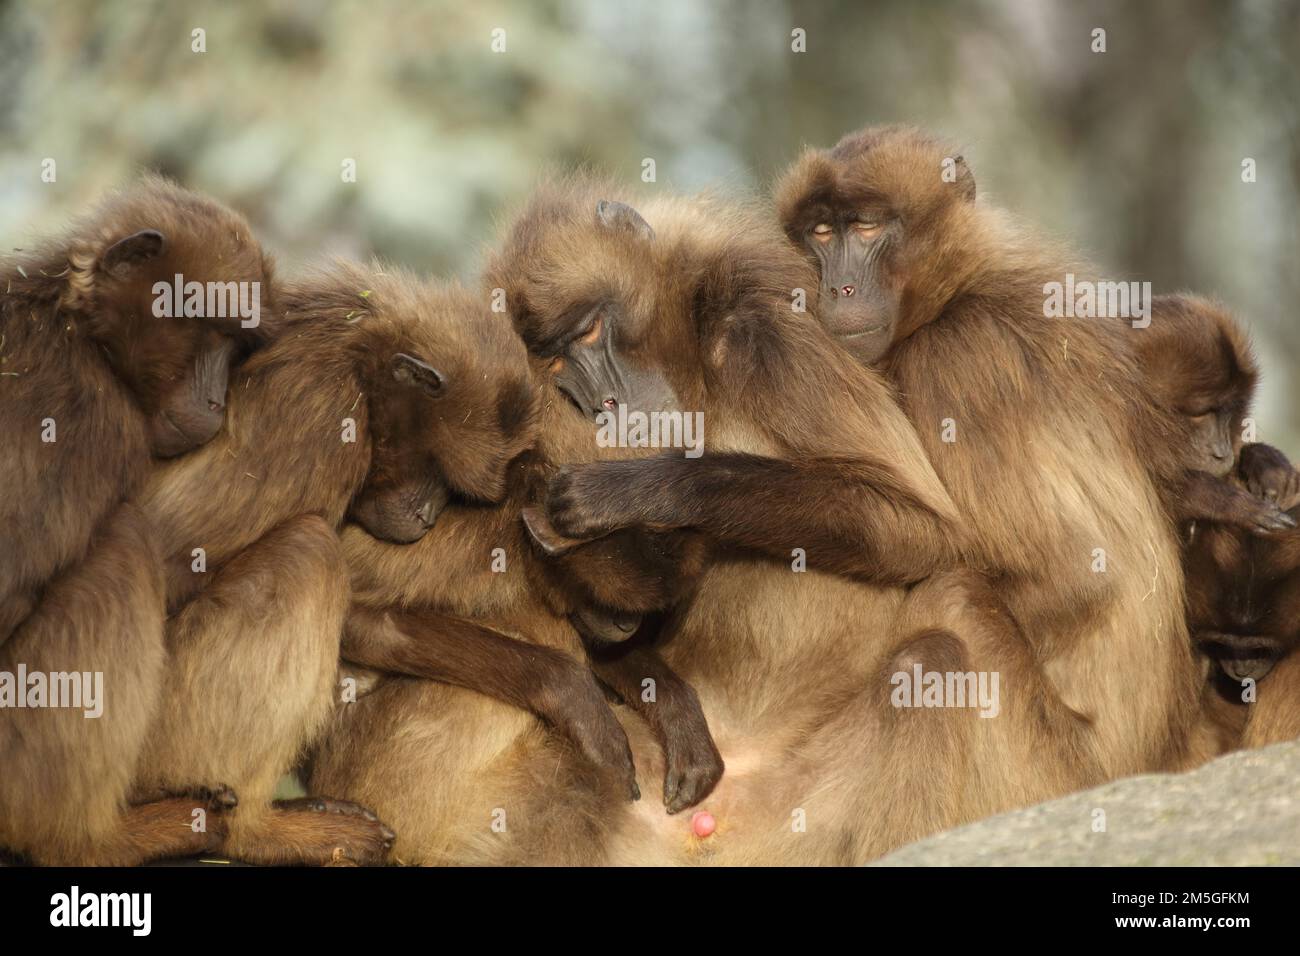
x,y
1135,154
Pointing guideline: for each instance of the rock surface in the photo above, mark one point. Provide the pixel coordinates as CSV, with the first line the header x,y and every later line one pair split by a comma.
x,y
1239,810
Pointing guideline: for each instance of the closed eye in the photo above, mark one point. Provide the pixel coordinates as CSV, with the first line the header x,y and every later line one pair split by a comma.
x,y
592,335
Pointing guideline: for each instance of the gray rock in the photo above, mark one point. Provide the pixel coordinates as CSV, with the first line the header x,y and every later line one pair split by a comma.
x,y
1239,810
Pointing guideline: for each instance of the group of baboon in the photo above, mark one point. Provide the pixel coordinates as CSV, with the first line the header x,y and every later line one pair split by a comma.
x,y
370,537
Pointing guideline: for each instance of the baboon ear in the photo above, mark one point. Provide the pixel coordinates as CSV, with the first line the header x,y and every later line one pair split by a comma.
x,y
411,371
965,179
621,216
123,255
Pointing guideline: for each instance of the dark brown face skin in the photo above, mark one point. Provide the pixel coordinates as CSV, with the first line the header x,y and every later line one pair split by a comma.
x,y
597,376
1212,440
426,451
402,514
177,367
856,303
885,216
405,490
194,409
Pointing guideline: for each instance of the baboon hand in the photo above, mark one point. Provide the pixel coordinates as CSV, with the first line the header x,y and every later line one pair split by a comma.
x,y
218,797
589,501
215,798
693,765
573,703
1269,475
1260,516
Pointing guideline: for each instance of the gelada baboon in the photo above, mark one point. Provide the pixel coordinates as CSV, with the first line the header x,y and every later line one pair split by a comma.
x,y
385,398
100,371
1037,426
1262,611
1243,602
96,381
1241,551
1197,363
476,604
809,468
1198,366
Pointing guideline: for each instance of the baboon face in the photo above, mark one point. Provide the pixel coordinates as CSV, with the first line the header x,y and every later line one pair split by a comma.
x,y
857,304
594,315
193,408
1212,444
593,365
167,303
867,212
448,413
1198,363
1216,407
405,489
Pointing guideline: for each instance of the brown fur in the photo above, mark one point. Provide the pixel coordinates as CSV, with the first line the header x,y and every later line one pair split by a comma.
x,y
81,346
1239,571
1198,366
1243,602
264,502
80,577
791,669
437,609
1052,424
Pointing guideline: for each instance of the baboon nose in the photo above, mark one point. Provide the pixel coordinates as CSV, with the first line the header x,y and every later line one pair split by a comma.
x,y
847,291
425,514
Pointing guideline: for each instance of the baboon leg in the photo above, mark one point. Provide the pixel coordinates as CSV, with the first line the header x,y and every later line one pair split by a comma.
x,y
65,776
250,685
911,798
961,688
176,826
314,831
1275,716
1025,725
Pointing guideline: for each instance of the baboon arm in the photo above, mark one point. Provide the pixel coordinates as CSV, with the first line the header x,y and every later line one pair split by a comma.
x,y
1206,498
848,516
669,705
549,683
450,650
847,479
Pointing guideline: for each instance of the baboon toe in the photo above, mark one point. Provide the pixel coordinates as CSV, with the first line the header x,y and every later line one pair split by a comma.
x,y
218,798
361,841
328,805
